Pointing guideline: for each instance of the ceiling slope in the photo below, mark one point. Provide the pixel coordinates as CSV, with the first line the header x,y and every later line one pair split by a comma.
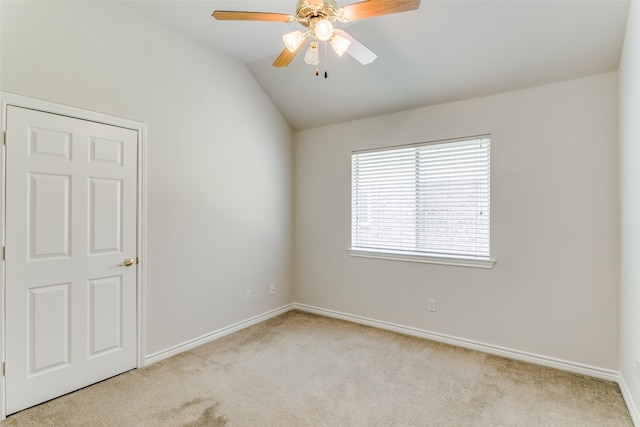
x,y
447,50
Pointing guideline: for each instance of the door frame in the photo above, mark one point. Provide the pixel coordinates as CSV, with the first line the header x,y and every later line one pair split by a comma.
x,y
9,99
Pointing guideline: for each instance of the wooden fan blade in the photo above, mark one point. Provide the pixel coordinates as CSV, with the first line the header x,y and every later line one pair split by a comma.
x,y
287,56
371,8
230,15
357,50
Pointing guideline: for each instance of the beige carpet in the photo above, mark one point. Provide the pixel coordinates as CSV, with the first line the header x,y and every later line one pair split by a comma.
x,y
304,370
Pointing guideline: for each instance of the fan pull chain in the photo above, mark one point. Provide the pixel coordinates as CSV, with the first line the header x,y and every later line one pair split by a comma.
x,y
325,59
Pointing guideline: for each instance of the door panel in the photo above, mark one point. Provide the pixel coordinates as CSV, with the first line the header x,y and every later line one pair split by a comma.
x,y
47,142
105,150
49,215
105,228
70,223
48,325
105,315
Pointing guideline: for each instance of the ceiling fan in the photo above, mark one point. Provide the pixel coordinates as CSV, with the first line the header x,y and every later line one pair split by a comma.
x,y
318,16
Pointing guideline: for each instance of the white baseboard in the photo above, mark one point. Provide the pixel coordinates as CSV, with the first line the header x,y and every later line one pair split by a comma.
x,y
537,359
631,406
212,336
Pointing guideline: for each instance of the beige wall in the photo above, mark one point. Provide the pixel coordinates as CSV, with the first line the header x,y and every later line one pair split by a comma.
x,y
219,154
554,225
630,206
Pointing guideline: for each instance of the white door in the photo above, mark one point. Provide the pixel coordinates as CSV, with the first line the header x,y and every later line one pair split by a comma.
x,y
70,225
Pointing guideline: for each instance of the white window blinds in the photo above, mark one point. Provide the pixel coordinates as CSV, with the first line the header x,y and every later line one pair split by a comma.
x,y
425,199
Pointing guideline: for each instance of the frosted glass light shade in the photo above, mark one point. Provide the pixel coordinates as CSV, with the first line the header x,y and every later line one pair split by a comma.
x,y
323,30
340,44
312,56
293,40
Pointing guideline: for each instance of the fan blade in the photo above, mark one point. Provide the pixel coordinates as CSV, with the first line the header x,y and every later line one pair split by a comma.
x,y
371,8
287,56
357,50
230,15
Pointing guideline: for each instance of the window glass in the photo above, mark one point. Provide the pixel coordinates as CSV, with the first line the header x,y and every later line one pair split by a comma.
x,y
430,199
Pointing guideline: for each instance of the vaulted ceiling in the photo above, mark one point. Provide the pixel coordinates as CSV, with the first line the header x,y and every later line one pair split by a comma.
x,y
447,50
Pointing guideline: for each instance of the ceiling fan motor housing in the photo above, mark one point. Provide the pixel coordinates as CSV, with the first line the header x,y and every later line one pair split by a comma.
x,y
308,14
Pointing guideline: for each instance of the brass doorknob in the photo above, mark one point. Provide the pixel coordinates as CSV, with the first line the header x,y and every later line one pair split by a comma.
x,y
128,262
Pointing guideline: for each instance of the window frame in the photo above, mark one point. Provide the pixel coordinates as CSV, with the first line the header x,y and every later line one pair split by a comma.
x,y
422,257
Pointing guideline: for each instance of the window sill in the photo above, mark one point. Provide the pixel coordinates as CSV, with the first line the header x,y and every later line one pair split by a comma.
x,y
443,260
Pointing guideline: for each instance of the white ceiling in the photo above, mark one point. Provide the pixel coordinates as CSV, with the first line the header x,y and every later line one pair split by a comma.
x,y
447,50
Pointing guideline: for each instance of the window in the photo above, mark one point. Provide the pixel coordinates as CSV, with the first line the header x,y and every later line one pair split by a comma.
x,y
424,202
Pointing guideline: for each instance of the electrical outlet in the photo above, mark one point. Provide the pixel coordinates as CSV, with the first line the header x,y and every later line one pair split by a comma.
x,y
272,290
432,305
247,295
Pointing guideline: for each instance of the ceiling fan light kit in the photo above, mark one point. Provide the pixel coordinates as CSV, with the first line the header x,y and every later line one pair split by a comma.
x,y
293,40
312,57
323,30
339,44
319,17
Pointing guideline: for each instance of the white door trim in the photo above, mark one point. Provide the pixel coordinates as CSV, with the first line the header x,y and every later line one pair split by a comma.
x,y
8,99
